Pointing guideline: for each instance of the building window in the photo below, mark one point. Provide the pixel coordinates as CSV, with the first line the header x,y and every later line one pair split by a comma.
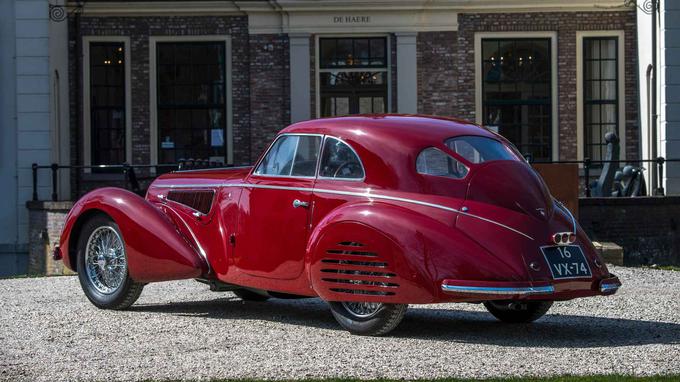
x,y
517,92
107,102
353,75
601,98
191,101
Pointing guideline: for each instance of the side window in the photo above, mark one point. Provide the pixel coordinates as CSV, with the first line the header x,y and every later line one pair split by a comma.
x,y
291,155
435,162
339,161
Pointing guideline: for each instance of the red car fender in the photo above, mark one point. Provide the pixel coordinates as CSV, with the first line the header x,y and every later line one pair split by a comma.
x,y
419,250
155,250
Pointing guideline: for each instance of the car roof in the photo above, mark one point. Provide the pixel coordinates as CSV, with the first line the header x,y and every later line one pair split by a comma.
x,y
410,130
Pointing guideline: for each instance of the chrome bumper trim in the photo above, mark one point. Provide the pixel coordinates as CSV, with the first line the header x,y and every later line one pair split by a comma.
x,y
609,287
511,291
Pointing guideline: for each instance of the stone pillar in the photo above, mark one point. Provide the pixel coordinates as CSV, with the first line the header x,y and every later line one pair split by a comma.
x,y
300,104
45,221
407,73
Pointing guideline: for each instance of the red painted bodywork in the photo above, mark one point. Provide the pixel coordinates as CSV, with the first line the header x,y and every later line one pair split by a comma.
x,y
253,236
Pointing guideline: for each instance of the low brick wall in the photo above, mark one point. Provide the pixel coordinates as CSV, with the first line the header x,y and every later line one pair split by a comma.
x,y
45,221
646,227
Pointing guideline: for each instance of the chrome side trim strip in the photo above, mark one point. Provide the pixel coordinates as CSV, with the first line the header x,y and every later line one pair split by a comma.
x,y
196,185
377,196
525,291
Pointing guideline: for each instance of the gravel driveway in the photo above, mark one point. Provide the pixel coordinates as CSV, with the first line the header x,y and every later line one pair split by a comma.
x,y
49,331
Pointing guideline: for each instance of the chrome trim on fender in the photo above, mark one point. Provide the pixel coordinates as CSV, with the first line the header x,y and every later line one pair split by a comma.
x,y
511,291
195,185
377,196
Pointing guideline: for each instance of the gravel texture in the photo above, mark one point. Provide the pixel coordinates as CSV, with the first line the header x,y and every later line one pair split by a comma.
x,y
181,330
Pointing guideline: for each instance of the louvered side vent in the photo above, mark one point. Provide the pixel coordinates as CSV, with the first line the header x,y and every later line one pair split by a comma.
x,y
353,269
198,200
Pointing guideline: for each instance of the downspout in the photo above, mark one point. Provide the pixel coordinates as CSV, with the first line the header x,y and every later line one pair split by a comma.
x,y
651,145
79,102
654,116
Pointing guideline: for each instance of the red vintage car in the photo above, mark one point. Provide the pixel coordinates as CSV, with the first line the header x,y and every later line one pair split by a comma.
x,y
369,213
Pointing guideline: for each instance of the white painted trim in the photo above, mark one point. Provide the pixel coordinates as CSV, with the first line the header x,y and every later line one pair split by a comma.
x,y
554,85
317,70
621,90
153,117
87,123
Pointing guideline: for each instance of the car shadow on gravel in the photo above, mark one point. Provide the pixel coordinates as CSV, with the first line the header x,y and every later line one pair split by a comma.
x,y
449,325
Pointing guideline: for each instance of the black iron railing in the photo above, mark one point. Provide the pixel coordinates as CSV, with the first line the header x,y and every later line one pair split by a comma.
x,y
589,164
129,173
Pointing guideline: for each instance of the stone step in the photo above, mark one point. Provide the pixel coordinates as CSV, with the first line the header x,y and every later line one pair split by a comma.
x,y
611,253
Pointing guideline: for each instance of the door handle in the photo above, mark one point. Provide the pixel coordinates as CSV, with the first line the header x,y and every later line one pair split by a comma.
x,y
299,203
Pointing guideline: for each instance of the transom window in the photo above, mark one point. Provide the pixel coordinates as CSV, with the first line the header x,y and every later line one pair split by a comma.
x,y
107,102
191,99
432,161
517,92
353,74
601,98
291,155
339,161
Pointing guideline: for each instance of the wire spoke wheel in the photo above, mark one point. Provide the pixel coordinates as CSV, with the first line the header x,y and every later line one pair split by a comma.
x,y
105,262
363,309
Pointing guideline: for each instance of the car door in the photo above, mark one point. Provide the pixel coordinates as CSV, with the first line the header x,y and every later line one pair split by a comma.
x,y
274,209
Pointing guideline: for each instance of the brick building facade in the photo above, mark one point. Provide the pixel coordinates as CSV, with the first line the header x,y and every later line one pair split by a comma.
x,y
420,57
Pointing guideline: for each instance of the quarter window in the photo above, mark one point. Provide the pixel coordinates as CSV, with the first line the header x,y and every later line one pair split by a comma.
x,y
291,155
432,161
339,161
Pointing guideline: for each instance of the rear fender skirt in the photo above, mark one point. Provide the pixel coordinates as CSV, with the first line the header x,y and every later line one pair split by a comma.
x,y
155,249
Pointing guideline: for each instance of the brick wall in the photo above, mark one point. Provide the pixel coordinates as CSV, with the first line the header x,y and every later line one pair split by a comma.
x,y
646,227
269,90
446,72
45,222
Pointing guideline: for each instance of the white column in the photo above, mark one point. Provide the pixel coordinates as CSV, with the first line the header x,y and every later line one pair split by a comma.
x,y
407,73
300,103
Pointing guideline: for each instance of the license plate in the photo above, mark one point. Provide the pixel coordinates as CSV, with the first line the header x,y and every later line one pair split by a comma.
x,y
566,261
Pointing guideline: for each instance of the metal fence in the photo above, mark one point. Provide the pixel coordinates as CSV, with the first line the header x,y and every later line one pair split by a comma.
x,y
130,173
131,178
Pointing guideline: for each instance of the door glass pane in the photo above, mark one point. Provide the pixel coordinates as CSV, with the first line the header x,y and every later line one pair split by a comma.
x,y
600,104
107,103
517,92
306,156
192,101
279,159
344,89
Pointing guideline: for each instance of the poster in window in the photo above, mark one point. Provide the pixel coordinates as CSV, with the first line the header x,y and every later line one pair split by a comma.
x,y
216,137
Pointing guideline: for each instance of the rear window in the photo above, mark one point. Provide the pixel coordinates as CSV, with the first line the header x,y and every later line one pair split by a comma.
x,y
480,149
432,161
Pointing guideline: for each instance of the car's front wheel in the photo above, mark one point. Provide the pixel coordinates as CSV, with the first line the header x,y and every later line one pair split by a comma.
x,y
368,318
518,311
102,265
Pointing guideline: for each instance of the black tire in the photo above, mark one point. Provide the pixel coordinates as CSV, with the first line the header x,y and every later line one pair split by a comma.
x,y
383,321
124,294
248,295
516,312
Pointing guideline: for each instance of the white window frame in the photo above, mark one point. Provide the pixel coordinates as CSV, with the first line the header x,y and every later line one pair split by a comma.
x,y
317,69
580,133
552,35
87,122
153,90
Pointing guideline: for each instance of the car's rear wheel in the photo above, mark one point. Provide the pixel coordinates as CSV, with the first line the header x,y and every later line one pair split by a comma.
x,y
248,295
368,318
102,265
518,311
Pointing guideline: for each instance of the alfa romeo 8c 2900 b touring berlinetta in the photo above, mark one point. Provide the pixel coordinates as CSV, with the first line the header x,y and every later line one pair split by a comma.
x,y
369,213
